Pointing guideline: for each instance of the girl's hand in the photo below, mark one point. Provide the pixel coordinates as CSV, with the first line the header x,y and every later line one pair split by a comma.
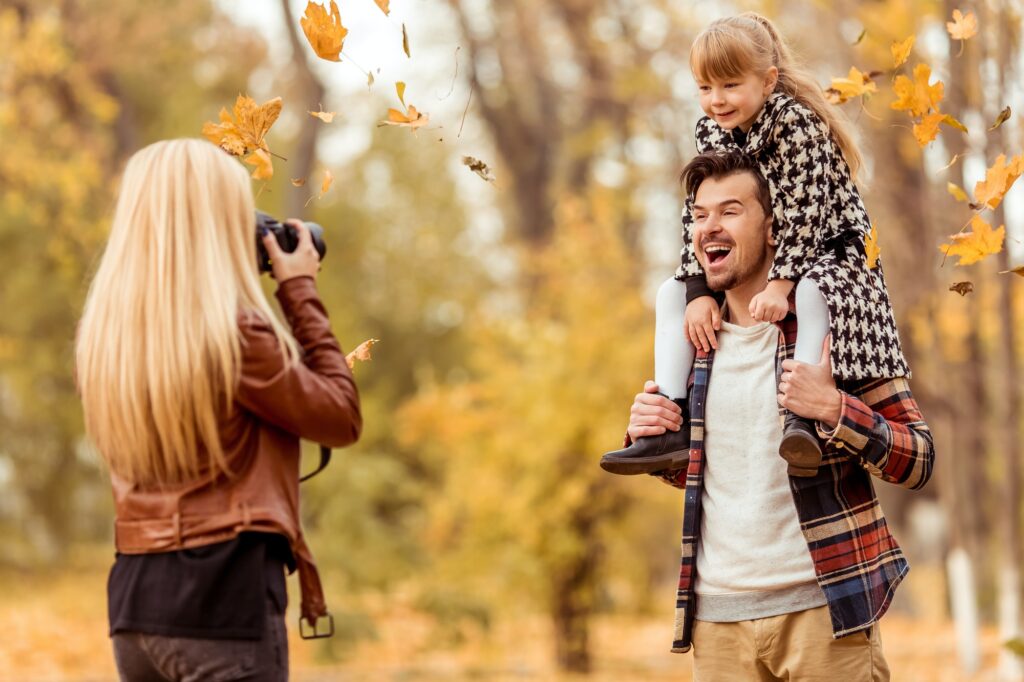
x,y
303,262
769,306
703,317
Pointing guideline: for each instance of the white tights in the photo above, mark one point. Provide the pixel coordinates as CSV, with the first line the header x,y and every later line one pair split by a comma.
x,y
673,352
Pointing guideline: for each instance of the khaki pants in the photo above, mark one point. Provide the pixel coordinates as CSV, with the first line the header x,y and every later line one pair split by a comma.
x,y
797,647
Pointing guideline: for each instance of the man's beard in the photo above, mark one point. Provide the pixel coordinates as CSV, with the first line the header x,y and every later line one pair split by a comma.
x,y
739,274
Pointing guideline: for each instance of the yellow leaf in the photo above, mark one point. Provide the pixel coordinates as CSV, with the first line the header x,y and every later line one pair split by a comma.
x,y
326,184
962,27
871,248
953,123
324,31
998,180
956,191
361,353
298,182
263,163
917,96
1004,115
854,85
400,89
385,5
244,132
901,51
325,116
975,245
927,129
405,41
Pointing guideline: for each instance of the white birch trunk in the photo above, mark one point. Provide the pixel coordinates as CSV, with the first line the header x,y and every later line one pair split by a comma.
x,y
965,609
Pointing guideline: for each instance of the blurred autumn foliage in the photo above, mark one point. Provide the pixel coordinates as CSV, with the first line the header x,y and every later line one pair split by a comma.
x,y
512,291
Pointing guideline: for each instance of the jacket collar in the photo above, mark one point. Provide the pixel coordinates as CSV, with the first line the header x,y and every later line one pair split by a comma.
x,y
711,136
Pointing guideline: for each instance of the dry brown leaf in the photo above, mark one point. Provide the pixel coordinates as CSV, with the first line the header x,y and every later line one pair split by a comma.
x,y
963,26
243,132
1019,270
962,288
901,51
973,246
326,184
1004,115
324,31
871,248
385,5
361,353
325,116
405,41
298,182
479,167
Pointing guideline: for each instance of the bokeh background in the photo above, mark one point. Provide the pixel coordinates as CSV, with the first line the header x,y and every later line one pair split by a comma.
x,y
470,534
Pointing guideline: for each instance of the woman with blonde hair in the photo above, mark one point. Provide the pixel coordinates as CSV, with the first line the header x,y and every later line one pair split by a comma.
x,y
196,396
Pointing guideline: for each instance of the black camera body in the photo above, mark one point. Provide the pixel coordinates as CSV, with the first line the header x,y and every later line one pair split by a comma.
x,y
287,237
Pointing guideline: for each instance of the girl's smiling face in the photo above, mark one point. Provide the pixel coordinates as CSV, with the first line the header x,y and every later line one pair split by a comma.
x,y
732,102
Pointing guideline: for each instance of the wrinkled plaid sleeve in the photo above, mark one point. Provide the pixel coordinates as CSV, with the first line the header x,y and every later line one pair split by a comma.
x,y
882,427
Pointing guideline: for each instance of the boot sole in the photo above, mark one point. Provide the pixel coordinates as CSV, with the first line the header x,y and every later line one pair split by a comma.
x,y
628,466
803,454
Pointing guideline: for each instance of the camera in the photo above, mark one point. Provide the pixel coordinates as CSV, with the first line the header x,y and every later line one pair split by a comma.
x,y
287,237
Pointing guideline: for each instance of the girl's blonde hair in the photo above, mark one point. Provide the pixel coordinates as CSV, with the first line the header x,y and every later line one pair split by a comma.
x,y
749,43
159,346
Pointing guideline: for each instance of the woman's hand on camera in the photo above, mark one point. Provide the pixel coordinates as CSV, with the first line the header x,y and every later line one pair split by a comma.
x,y
303,262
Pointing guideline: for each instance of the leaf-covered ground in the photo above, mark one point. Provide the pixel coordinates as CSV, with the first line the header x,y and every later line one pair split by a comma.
x,y
54,628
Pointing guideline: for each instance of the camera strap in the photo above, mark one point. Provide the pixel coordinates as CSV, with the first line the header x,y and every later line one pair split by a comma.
x,y
325,459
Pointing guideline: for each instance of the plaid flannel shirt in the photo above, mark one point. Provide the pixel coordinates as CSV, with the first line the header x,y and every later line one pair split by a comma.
x,y
857,562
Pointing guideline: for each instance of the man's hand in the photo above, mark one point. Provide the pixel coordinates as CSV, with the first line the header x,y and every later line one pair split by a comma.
x,y
771,304
810,391
703,317
652,414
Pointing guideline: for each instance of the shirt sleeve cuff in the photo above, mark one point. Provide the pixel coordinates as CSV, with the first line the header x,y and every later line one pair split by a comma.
x,y
832,435
854,428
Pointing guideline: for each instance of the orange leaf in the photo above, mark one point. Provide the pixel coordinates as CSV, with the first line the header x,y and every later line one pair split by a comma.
x,y
412,119
854,85
871,249
326,184
324,31
385,5
917,96
361,353
325,116
244,132
264,165
298,182
901,51
975,245
962,27
927,129
998,180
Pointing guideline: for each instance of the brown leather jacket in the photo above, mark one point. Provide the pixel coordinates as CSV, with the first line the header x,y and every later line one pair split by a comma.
x,y
275,405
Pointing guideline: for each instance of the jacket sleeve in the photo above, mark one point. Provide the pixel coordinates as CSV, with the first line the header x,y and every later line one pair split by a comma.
x,y
315,398
806,153
883,429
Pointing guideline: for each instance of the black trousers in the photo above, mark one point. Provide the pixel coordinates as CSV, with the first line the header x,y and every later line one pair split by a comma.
x,y
143,657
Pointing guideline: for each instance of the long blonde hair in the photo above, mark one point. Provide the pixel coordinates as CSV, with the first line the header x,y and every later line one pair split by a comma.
x,y
749,43
159,348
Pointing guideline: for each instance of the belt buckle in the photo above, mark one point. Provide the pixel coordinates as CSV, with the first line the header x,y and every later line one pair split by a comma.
x,y
311,630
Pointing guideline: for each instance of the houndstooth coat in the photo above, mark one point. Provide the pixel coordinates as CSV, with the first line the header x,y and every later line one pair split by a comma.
x,y
814,201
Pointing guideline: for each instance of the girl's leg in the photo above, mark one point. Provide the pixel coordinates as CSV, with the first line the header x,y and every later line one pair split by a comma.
x,y
673,352
812,315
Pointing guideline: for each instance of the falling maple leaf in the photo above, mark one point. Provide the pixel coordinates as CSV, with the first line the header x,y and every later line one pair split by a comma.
x,y
264,165
998,180
385,5
325,116
361,353
975,245
871,248
928,127
962,27
411,119
298,182
326,184
962,288
1004,115
479,167
243,132
956,191
917,96
901,51
324,31
855,84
